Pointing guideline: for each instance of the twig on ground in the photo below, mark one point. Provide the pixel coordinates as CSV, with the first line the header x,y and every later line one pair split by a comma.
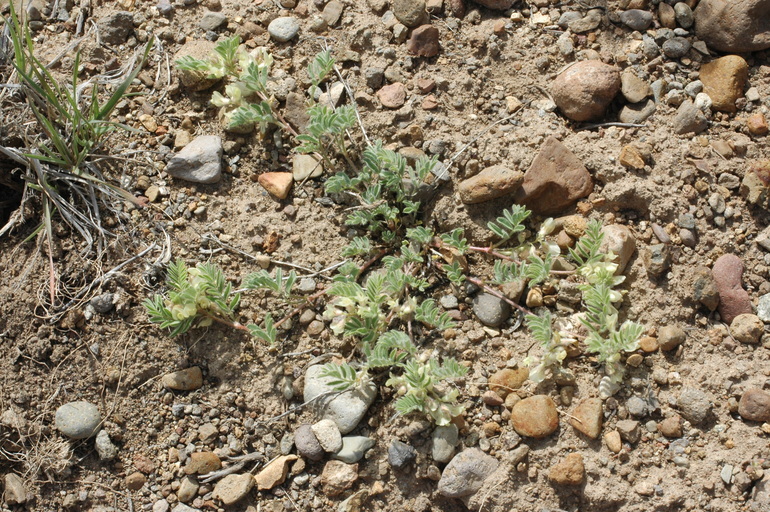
x,y
604,125
240,463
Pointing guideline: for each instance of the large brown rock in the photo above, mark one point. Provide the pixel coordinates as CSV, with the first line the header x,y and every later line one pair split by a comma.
x,y
555,180
583,91
733,299
723,80
424,41
535,416
491,183
734,25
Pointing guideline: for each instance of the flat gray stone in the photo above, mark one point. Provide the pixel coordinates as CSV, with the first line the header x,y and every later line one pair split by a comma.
x,y
353,448
444,441
78,420
465,474
199,162
283,29
212,20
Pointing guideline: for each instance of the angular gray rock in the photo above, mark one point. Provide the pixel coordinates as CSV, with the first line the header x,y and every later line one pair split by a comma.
x,y
465,474
353,448
401,454
346,409
283,29
689,118
734,26
115,28
212,20
104,446
199,162
78,420
490,310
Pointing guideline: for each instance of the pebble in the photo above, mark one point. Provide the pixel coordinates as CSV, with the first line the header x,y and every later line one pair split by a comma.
x,y
657,259
337,477
491,183
306,285
636,19
490,310
671,427
15,493
233,488
705,288
78,420
694,405
629,430
747,328
637,407
353,448
424,41
584,90
328,435
689,118
345,409
649,344
277,183
667,15
734,26
401,454
199,162
726,474
274,473
104,447
570,471
409,12
188,489
590,21
201,463
733,299
763,308
724,80
212,21
670,337
587,417
444,438
684,15
307,444
637,113
555,179
757,124
332,12
283,29
676,47
631,158
535,416
188,379
135,481
448,301
393,95
755,405
634,89
466,472
613,441
306,166
115,28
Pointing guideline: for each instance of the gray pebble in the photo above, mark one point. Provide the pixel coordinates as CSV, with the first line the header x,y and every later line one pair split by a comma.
x,y
104,447
78,420
444,441
448,302
688,238
306,285
283,29
103,303
346,409
353,449
676,48
307,444
763,308
466,473
636,407
636,19
694,88
401,454
212,20
694,405
490,310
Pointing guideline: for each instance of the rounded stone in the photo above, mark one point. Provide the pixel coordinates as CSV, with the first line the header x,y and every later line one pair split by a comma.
x,y
283,29
670,337
755,405
507,380
747,328
695,405
78,420
734,26
585,89
636,19
535,416
307,444
490,310
676,47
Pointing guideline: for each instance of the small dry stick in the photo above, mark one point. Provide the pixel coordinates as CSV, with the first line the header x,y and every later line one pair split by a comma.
x,y
603,125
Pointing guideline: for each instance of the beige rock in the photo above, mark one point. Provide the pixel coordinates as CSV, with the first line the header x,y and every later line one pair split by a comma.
x,y
634,88
274,473
555,180
277,183
620,240
670,337
671,426
306,166
202,462
508,380
734,25
491,183
393,95
667,15
747,328
337,477
631,158
535,416
201,50
188,379
15,493
613,441
570,471
723,80
585,89
233,488
587,417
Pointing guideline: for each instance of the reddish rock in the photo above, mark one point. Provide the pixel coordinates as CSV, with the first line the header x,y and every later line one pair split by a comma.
x,y
201,463
393,95
587,417
135,481
755,405
733,299
535,416
671,426
491,183
430,102
723,80
570,471
277,183
757,124
585,89
424,41
555,180
507,380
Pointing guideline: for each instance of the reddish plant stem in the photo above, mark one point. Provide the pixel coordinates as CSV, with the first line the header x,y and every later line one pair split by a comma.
x,y
492,252
308,300
371,261
234,325
492,291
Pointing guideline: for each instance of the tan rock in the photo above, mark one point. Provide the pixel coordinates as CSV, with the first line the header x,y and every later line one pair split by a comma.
x,y
491,183
555,180
393,95
631,158
723,80
666,15
671,426
201,50
747,328
570,471
188,379
306,166
613,441
337,477
670,337
648,344
202,462
620,240
634,89
585,89
135,481
535,416
274,473
507,380
233,488
277,183
757,124
587,417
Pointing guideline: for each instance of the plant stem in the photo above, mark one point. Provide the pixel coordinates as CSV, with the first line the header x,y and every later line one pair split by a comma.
x,y
223,321
492,252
